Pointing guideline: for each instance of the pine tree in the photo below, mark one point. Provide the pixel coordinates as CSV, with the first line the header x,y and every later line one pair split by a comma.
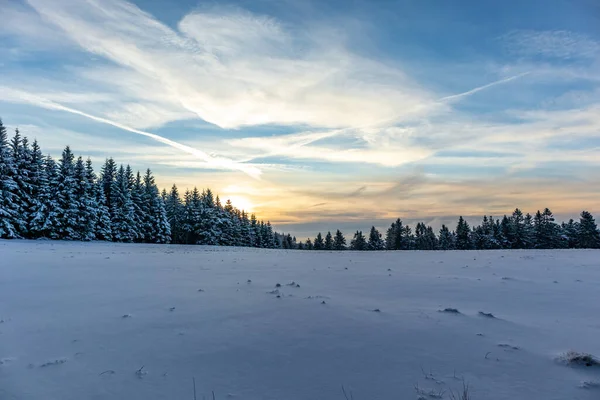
x,y
463,235
85,202
174,210
589,237
358,242
395,237
319,244
107,177
339,241
309,245
446,239
103,223
143,223
22,190
68,205
570,231
36,211
328,241
546,231
375,240
9,213
517,230
122,212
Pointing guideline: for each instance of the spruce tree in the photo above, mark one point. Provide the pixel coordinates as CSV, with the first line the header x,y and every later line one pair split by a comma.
x,y
319,244
328,241
309,245
358,242
68,205
463,235
108,174
375,240
9,215
446,239
85,202
588,237
22,190
339,241
174,210
122,211
143,222
103,223
517,230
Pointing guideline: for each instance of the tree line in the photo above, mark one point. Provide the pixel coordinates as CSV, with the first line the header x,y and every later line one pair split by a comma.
x,y
66,200
516,231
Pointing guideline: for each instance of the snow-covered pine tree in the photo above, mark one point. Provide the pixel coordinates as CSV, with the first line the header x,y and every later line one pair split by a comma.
x,y
86,203
546,231
143,221
358,242
407,239
463,235
339,241
254,234
375,240
157,228
8,211
328,241
225,223
309,245
37,215
319,244
517,230
270,236
431,240
108,174
122,209
246,237
67,202
103,229
570,231
588,237
174,210
446,239
21,195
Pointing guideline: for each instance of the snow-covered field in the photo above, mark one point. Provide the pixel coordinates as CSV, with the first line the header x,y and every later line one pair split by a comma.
x,y
110,321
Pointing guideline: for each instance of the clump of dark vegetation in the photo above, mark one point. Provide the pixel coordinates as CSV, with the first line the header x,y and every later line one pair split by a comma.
x,y
487,315
53,362
450,311
574,358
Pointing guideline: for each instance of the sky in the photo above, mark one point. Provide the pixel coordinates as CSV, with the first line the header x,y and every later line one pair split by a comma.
x,y
319,115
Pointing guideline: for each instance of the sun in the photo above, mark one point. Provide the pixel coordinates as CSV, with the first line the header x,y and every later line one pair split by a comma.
x,y
241,202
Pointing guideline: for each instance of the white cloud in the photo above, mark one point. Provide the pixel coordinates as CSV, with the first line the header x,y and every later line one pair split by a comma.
x,y
233,68
556,44
215,162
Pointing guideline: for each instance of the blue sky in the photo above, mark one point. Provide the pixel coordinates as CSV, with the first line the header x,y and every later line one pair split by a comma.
x,y
323,114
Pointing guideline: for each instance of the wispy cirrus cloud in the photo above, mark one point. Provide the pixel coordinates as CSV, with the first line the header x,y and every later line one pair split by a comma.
x,y
214,162
554,44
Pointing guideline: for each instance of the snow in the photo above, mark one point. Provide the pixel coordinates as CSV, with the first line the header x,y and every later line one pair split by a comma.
x,y
135,321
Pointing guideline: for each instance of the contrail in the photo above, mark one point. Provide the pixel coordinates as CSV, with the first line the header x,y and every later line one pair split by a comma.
x,y
477,89
313,136
218,162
